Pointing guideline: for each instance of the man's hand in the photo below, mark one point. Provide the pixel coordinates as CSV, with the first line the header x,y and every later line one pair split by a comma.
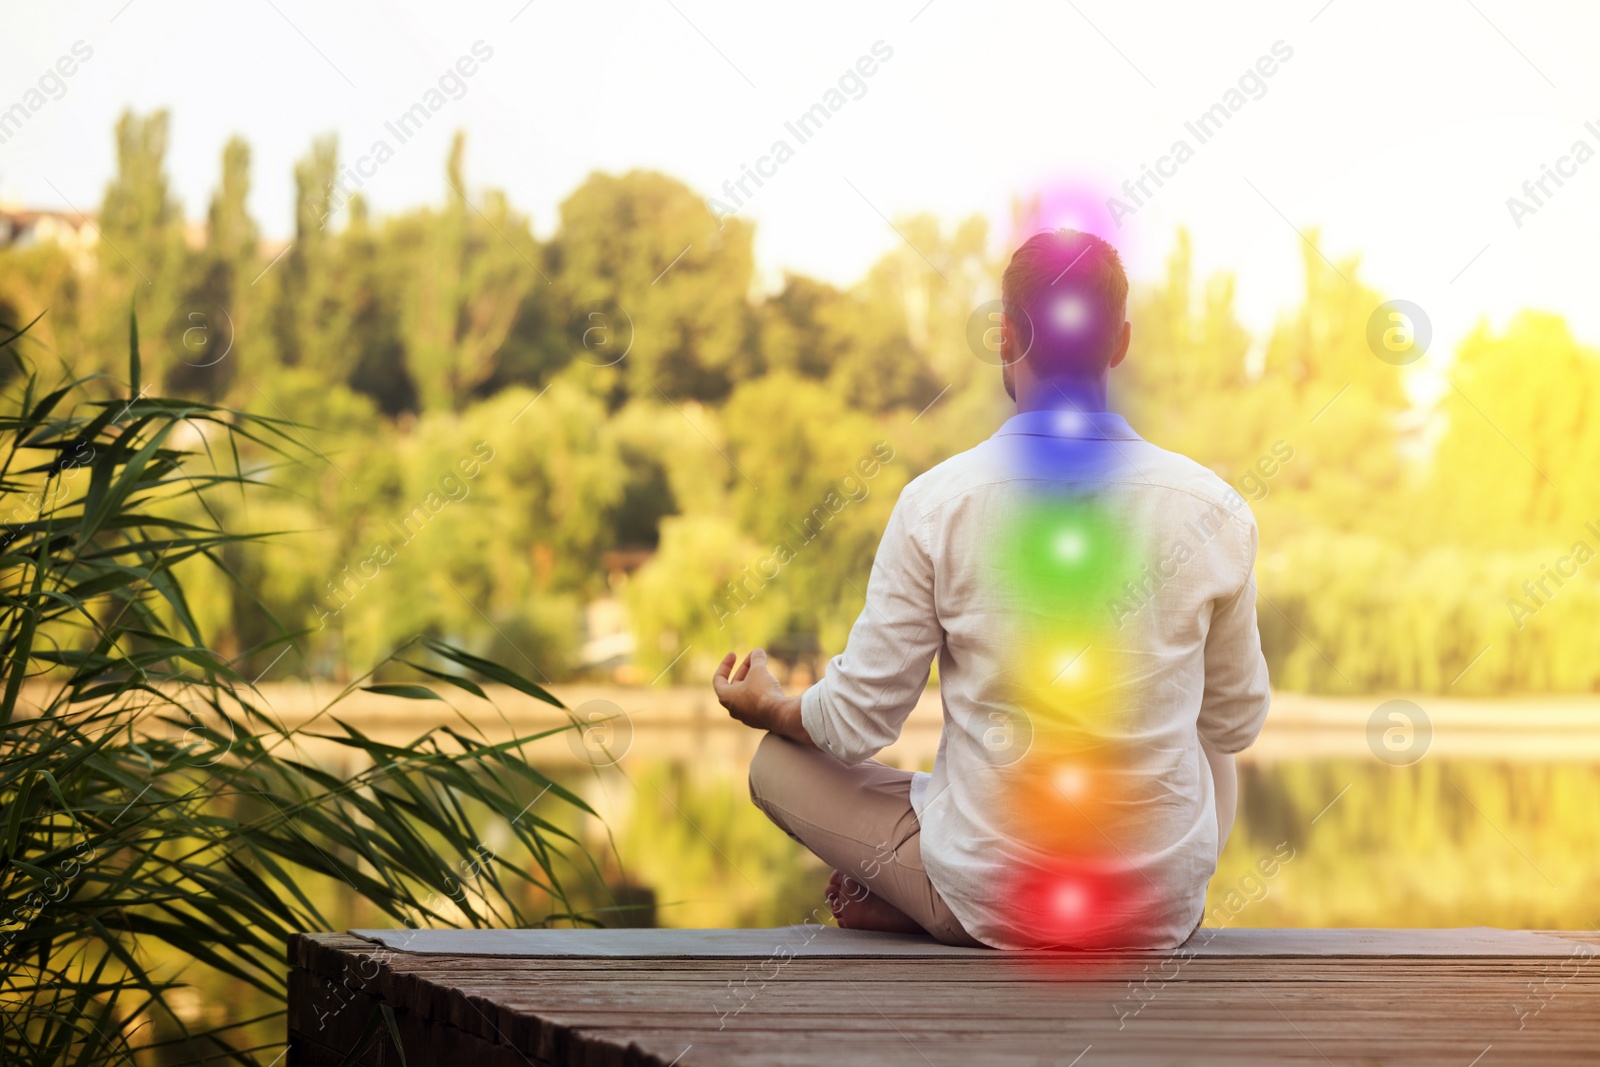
x,y
753,696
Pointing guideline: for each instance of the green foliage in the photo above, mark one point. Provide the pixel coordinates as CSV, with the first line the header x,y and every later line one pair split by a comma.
x,y
1385,566
680,595
141,223
710,422
812,329
220,278
159,827
648,245
1521,444
461,310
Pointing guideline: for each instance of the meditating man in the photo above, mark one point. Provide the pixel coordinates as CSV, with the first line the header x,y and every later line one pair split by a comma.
x,y
1090,599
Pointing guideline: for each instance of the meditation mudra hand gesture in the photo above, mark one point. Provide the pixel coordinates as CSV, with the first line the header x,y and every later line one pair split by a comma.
x,y
753,696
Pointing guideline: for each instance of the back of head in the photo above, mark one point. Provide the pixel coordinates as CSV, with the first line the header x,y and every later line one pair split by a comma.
x,y
1066,296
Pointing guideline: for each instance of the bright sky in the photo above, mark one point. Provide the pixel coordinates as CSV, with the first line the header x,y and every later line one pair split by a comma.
x,y
1398,129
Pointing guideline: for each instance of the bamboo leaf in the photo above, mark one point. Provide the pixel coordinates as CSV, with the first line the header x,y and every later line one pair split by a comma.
x,y
398,689
503,675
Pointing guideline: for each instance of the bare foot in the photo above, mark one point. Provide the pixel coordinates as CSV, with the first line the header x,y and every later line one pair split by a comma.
x,y
855,908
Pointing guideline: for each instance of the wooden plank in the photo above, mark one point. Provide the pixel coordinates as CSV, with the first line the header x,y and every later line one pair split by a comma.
x,y
628,1013
1190,1048
817,941
318,1036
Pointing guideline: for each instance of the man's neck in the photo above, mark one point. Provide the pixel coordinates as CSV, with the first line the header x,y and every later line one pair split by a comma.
x,y
1063,394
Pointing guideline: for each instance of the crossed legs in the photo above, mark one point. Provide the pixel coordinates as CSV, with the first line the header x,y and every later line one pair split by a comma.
x,y
858,820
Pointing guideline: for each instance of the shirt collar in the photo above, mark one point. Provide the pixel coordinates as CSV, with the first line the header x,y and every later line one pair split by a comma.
x,y
1069,422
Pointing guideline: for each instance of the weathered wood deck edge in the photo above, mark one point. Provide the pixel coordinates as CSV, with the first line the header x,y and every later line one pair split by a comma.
x,y
636,1012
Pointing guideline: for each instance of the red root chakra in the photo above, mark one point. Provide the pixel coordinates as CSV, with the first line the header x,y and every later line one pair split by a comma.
x,y
1079,904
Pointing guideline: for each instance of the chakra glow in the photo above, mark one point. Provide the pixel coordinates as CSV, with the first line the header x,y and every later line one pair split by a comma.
x,y
1081,201
1072,203
1062,557
1070,313
1071,781
1069,901
1071,545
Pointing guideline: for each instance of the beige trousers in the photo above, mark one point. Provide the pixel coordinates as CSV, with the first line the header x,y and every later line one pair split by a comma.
x,y
856,819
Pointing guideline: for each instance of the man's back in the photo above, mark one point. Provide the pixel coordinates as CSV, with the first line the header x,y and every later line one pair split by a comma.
x,y
1089,599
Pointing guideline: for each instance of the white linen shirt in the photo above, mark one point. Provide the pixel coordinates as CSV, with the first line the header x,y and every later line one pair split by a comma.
x,y
1188,630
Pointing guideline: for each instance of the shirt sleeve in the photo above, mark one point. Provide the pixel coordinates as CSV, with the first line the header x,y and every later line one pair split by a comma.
x,y
871,687
1234,705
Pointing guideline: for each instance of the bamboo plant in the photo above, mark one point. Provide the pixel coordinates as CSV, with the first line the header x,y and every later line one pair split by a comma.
x,y
152,807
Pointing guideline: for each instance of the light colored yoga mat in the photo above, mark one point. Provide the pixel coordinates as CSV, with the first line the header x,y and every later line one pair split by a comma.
x,y
828,941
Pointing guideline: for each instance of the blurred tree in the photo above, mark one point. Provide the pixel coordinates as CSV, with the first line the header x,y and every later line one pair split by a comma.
x,y
792,335
369,293
1347,404
141,246
813,329
1519,437
1186,385
814,485
232,236
647,438
1317,395
307,321
472,518
538,347
470,283
45,277
645,254
930,284
215,307
1181,350
681,598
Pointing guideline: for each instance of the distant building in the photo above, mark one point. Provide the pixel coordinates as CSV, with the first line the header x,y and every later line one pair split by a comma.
x,y
21,227
78,233
73,231
609,644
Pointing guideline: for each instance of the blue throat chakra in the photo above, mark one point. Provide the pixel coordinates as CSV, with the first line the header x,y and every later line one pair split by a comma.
x,y
1065,454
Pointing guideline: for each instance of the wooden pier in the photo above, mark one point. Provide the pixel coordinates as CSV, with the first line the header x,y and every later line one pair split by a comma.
x,y
1327,1007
